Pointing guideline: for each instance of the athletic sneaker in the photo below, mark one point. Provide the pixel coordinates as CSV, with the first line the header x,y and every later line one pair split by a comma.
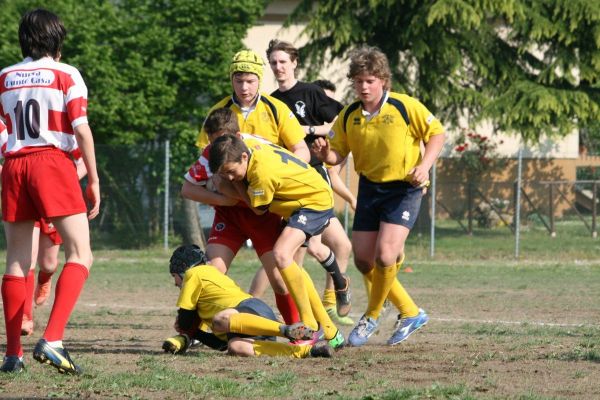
x,y
406,326
42,292
335,317
342,299
12,364
176,344
57,357
338,341
321,349
362,331
26,326
298,331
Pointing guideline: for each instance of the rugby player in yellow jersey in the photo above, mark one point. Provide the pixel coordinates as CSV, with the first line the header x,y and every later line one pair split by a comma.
x,y
270,178
384,131
258,113
240,323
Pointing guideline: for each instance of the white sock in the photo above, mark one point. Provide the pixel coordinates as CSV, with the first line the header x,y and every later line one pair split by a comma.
x,y
56,344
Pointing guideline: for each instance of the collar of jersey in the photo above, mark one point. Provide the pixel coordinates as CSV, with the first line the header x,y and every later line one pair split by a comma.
x,y
246,109
384,98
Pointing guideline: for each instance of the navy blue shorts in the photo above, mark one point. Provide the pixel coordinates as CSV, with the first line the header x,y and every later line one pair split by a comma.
x,y
395,202
257,307
311,222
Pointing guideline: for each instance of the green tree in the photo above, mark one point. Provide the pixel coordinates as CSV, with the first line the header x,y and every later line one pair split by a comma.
x,y
152,67
532,67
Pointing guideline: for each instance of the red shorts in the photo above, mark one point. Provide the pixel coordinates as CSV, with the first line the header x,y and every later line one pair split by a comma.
x,y
48,229
40,184
234,225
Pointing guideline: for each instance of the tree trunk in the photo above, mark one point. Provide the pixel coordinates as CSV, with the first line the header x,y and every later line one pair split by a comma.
x,y
192,230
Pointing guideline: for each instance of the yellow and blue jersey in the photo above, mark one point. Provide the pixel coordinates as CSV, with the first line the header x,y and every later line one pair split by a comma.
x,y
208,291
279,179
270,118
385,146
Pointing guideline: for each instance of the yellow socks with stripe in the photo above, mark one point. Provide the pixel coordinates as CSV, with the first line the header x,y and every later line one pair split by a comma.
x,y
329,298
383,278
267,348
329,328
253,325
294,281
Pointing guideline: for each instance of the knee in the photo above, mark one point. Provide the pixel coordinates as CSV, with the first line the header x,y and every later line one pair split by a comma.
x,y
364,266
240,348
221,322
282,259
388,259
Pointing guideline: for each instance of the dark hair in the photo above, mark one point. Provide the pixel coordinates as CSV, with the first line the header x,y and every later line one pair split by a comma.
x,y
280,45
41,34
325,84
225,149
221,120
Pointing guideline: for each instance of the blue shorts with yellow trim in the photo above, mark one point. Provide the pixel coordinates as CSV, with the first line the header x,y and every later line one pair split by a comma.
x,y
311,222
256,307
395,202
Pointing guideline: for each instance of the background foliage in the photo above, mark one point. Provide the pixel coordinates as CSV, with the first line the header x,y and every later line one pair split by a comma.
x,y
531,66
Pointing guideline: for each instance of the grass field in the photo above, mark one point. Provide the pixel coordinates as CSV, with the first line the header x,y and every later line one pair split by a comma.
x,y
500,328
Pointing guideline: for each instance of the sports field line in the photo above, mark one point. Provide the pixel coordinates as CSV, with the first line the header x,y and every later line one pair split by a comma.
x,y
357,316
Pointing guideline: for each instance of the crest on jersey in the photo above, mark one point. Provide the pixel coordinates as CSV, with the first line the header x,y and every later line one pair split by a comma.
x,y
300,108
356,121
220,227
387,119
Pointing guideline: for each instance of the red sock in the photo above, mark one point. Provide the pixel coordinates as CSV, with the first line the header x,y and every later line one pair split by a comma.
x,y
29,286
13,297
44,277
287,308
68,287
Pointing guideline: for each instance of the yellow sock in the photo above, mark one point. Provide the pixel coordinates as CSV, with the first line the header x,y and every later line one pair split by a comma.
x,y
383,278
329,328
250,324
292,275
400,297
267,348
368,280
329,298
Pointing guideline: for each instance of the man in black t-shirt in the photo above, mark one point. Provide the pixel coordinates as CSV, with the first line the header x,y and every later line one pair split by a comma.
x,y
316,112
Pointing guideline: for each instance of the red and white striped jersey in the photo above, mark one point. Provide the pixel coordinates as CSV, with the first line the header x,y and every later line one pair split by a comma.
x,y
199,173
75,153
42,101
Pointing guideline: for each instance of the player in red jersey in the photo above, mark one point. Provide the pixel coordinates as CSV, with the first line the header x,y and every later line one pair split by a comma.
x,y
44,104
45,247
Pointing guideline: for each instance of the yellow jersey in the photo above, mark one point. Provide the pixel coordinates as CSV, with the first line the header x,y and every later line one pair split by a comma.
x,y
208,291
387,145
279,179
269,118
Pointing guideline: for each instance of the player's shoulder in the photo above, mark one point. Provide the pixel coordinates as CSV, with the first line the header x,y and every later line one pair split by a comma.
x,y
404,98
267,98
224,102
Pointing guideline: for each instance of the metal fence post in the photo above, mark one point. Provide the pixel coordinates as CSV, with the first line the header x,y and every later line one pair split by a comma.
x,y
432,197
518,203
594,197
551,209
166,213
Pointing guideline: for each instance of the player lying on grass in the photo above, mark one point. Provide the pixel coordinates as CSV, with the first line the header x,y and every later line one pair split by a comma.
x,y
242,325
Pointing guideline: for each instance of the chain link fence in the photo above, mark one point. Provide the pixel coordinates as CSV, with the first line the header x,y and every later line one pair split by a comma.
x,y
139,209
